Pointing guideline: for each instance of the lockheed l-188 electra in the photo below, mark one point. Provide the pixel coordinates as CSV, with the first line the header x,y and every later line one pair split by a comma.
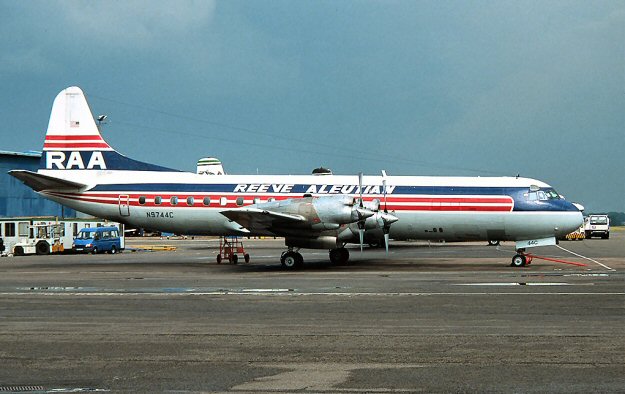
x,y
79,169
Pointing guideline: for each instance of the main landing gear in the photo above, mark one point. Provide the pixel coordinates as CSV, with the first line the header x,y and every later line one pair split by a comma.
x,y
339,256
521,259
291,259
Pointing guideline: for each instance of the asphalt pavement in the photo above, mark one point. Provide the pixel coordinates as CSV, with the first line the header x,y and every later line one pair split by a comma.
x,y
429,317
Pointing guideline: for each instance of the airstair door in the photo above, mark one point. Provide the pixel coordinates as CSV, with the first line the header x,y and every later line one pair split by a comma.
x,y
124,205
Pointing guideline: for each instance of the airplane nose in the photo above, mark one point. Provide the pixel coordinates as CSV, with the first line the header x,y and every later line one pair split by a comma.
x,y
568,222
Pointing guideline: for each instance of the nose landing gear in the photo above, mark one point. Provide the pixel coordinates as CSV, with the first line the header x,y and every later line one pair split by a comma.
x,y
521,259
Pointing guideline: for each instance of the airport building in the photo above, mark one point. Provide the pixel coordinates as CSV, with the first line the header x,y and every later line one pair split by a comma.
x,y
17,199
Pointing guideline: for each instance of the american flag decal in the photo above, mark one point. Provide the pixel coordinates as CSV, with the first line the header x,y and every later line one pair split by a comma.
x,y
74,123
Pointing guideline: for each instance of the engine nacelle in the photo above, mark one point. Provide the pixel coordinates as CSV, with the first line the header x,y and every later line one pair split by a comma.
x,y
337,209
325,242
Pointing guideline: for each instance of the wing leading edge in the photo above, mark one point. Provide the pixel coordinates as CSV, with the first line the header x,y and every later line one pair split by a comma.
x,y
261,219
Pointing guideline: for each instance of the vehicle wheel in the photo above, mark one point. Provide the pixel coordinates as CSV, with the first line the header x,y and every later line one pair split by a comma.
x,y
246,258
290,260
42,248
607,236
218,259
113,250
94,251
235,259
519,260
493,242
588,235
18,251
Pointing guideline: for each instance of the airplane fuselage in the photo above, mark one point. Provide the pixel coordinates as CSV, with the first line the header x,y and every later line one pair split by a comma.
x,y
450,208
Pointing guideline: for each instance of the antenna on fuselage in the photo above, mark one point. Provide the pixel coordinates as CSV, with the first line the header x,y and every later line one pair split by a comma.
x,y
101,120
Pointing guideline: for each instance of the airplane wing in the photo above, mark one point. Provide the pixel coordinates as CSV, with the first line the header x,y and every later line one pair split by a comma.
x,y
261,219
39,182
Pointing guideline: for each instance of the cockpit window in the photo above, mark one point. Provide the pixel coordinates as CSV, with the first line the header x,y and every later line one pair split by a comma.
x,y
541,195
552,194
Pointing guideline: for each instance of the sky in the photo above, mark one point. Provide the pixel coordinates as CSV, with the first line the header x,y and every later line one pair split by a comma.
x,y
467,88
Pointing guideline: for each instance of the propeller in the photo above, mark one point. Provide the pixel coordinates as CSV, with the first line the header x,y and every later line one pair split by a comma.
x,y
387,219
361,221
384,191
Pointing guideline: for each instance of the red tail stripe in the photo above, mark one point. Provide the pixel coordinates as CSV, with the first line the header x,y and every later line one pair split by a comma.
x,y
76,145
73,137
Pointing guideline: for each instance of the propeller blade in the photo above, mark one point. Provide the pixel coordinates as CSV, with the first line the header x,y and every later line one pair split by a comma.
x,y
361,233
360,187
386,239
384,191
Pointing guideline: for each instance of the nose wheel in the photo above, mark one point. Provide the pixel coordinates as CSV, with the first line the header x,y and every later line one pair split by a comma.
x,y
521,259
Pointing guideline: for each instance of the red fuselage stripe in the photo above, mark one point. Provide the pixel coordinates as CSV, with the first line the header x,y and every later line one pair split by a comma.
x,y
467,204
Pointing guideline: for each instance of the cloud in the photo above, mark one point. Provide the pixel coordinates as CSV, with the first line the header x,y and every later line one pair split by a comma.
x,y
135,24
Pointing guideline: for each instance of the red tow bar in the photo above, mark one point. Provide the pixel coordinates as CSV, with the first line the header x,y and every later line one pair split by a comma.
x,y
532,256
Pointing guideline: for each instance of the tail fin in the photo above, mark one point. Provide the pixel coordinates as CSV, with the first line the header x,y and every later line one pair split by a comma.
x,y
73,140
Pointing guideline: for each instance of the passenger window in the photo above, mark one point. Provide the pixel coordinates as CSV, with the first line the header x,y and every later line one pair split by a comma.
x,y
271,199
174,200
206,201
223,201
256,200
190,201
239,201
158,200
142,200
9,229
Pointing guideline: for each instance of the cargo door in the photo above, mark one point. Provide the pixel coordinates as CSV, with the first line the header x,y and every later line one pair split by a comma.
x,y
124,205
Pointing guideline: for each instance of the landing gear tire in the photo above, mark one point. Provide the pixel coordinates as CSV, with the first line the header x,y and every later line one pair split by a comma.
x,y
519,260
291,260
339,256
235,259
378,244
492,242
246,258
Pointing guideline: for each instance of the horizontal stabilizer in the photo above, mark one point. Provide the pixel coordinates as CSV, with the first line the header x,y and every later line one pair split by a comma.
x,y
254,218
39,182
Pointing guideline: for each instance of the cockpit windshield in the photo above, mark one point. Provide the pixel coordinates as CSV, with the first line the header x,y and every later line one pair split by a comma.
x,y
542,195
552,194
